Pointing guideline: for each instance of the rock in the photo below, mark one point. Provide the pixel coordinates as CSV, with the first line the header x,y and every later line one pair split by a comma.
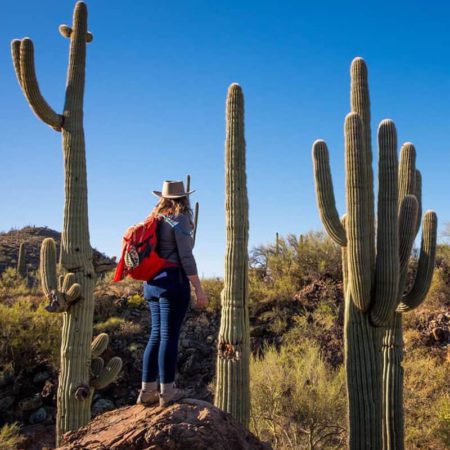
x,y
190,424
439,334
40,377
37,437
30,403
6,377
6,402
37,416
102,405
48,391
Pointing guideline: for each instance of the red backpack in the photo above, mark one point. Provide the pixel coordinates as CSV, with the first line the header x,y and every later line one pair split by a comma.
x,y
139,259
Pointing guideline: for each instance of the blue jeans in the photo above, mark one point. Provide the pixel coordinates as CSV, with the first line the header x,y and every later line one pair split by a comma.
x,y
168,296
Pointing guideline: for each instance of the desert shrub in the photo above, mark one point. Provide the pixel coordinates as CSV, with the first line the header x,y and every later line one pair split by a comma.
x,y
213,288
298,401
426,401
135,300
11,285
9,436
111,324
105,286
28,333
297,262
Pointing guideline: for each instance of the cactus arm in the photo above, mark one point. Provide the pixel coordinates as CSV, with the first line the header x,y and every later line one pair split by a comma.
x,y
48,266
188,183
108,374
357,229
360,103
97,365
197,206
407,171
59,299
418,194
387,259
325,194
424,275
15,53
25,71
406,223
344,258
99,344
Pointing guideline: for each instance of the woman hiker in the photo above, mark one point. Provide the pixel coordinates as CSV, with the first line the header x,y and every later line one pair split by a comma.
x,y
168,294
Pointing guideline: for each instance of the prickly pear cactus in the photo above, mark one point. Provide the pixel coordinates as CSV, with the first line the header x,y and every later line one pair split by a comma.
x,y
375,269
232,389
72,294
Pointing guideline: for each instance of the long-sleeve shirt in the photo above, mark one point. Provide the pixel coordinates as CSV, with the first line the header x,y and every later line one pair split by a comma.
x,y
175,241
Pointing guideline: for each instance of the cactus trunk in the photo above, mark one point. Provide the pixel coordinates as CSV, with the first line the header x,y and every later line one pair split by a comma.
x,y
232,389
21,262
374,281
362,365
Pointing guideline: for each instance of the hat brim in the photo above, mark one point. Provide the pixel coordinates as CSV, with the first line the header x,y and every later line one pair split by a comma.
x,y
159,194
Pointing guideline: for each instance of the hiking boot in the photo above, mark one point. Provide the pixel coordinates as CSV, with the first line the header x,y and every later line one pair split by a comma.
x,y
147,397
172,396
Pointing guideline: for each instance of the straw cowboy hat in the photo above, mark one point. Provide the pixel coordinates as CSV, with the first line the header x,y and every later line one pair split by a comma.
x,y
172,189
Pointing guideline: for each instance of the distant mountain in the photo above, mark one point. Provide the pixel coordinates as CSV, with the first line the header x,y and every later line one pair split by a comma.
x,y
33,237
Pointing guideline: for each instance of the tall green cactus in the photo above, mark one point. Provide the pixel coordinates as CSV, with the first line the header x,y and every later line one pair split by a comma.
x,y
73,295
196,210
232,389
21,262
375,270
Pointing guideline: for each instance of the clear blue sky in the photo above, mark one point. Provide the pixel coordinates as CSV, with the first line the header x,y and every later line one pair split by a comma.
x,y
157,76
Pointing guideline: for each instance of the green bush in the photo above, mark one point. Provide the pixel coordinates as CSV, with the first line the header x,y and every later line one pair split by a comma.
x,y
298,262
28,334
213,288
298,401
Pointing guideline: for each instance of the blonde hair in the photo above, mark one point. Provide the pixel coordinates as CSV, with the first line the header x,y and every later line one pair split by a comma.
x,y
173,206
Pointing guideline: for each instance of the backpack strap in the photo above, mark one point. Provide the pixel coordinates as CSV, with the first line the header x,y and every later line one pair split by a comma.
x,y
175,225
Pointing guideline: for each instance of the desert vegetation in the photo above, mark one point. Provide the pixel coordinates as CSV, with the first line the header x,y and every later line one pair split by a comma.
x,y
297,383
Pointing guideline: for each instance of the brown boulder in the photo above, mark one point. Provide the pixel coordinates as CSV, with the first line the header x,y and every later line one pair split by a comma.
x,y
189,424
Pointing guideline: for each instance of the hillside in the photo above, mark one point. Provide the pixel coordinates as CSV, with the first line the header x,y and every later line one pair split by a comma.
x,y
296,318
32,237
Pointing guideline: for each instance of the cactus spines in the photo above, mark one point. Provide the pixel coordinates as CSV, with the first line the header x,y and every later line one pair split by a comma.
x,y
73,406
21,262
232,389
374,281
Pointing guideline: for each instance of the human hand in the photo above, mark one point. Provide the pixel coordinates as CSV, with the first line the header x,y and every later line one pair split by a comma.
x,y
201,299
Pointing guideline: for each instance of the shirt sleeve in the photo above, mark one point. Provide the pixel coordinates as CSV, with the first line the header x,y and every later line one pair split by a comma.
x,y
185,242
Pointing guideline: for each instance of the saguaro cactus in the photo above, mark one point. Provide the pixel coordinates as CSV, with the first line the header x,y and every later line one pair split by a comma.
x,y
21,261
196,209
375,272
73,296
232,389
